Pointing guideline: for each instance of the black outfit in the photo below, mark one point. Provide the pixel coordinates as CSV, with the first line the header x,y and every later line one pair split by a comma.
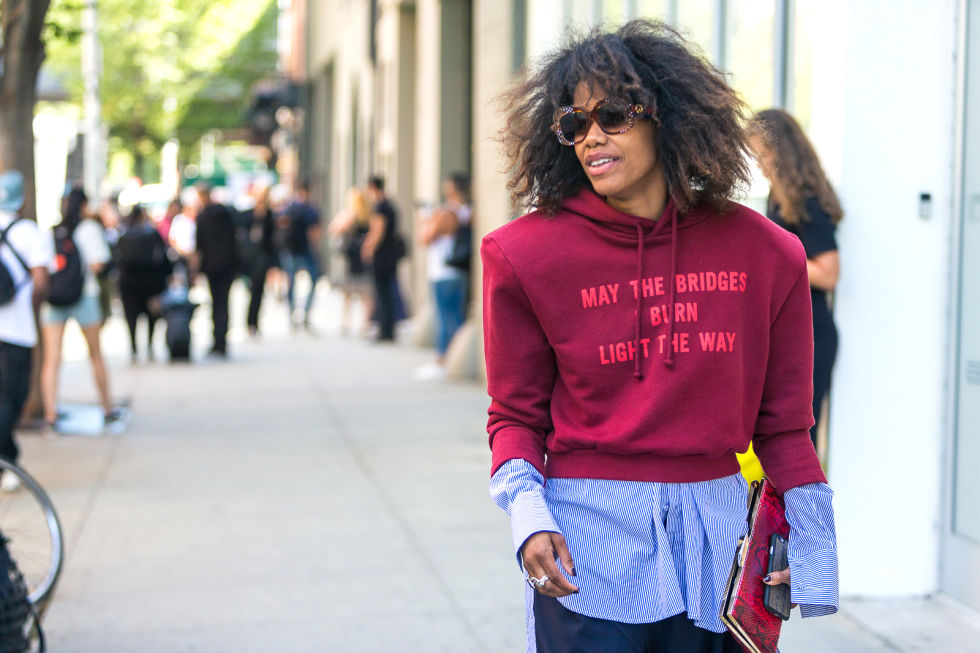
x,y
817,236
383,265
262,256
559,630
216,246
143,265
15,382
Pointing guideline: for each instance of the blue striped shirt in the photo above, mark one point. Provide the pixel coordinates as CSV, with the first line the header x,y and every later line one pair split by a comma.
x,y
644,551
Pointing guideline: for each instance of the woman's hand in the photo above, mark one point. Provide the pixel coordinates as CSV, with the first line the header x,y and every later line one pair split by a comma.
x,y
779,578
539,553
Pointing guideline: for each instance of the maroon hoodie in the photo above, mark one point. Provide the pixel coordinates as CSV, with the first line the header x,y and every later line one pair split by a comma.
x,y
628,349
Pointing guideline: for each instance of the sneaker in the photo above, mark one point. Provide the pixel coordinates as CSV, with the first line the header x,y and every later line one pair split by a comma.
x,y
430,372
112,417
10,482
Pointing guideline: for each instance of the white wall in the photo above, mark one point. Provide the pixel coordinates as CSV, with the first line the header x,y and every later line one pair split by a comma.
x,y
887,418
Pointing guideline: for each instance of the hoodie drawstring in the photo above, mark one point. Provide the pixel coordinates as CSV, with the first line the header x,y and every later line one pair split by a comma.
x,y
671,296
672,312
637,372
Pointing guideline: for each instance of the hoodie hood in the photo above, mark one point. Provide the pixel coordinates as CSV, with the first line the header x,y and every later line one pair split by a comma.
x,y
591,206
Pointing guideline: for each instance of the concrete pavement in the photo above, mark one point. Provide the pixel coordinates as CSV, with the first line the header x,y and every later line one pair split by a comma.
x,y
310,495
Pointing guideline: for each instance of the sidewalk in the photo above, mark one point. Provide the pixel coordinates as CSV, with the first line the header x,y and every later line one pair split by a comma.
x,y
309,495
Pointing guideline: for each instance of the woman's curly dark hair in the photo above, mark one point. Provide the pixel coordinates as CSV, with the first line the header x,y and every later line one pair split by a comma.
x,y
797,173
699,137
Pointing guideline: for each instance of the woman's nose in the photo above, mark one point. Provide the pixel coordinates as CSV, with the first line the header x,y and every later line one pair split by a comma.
x,y
594,133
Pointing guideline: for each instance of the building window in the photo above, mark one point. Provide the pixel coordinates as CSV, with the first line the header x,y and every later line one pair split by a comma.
x,y
695,20
750,52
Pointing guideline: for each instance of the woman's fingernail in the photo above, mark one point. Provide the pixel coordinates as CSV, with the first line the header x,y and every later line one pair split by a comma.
x,y
575,592
767,578
573,572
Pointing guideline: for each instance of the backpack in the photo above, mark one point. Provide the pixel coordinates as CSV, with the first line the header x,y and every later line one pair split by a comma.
x,y
65,287
8,287
141,256
462,250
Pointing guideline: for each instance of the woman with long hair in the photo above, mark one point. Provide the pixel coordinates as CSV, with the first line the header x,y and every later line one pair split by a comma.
x,y
261,229
87,236
802,201
640,329
349,227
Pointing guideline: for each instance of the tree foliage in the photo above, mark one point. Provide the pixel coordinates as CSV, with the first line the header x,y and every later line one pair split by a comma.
x,y
172,68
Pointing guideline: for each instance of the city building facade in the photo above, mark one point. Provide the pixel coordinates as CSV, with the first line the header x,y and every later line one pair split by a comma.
x,y
889,92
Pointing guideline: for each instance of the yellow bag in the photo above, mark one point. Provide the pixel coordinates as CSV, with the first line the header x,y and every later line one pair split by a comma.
x,y
751,467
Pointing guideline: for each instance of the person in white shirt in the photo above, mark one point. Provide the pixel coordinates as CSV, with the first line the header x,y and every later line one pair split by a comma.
x,y
449,279
183,236
93,250
25,254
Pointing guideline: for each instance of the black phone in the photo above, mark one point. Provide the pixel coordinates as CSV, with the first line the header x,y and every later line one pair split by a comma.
x,y
776,598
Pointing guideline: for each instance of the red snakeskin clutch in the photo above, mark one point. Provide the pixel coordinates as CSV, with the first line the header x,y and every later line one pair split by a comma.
x,y
743,611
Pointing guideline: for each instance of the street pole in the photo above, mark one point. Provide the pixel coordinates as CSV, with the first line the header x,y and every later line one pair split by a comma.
x,y
93,160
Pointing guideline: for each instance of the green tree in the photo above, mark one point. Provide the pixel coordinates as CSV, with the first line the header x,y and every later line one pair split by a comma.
x,y
175,68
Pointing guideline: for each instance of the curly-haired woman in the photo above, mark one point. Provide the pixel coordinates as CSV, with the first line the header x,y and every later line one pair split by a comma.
x,y
640,329
802,201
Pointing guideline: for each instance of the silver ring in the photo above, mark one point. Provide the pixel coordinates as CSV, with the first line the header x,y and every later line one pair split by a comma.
x,y
537,583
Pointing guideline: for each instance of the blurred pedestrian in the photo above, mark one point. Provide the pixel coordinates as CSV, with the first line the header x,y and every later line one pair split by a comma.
x,y
350,227
109,218
302,224
182,238
802,201
81,253
141,257
217,260
641,328
383,248
26,256
163,226
260,223
447,267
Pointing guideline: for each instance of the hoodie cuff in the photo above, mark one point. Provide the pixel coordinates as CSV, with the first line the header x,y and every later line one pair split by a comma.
x,y
517,442
788,459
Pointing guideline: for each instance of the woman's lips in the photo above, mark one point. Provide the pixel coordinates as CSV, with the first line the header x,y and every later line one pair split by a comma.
x,y
599,165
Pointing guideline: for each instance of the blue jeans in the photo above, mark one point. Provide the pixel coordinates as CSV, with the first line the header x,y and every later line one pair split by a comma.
x,y
450,300
293,263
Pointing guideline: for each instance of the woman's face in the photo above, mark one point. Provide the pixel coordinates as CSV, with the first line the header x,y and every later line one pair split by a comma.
x,y
624,168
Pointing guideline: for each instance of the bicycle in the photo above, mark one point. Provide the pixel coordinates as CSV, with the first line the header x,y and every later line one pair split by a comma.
x,y
35,541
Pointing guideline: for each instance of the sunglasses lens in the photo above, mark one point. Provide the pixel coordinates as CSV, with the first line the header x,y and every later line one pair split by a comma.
x,y
613,116
573,125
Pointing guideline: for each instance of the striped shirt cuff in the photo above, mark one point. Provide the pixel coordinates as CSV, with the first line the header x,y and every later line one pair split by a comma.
x,y
518,488
812,549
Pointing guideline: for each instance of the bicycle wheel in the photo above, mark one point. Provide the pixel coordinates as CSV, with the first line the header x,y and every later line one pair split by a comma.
x,y
31,526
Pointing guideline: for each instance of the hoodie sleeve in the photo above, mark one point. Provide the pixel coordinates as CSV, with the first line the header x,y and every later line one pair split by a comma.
x,y
782,430
520,365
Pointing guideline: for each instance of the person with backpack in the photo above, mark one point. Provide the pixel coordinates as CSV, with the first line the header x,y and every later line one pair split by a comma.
x,y
141,256
81,251
24,259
